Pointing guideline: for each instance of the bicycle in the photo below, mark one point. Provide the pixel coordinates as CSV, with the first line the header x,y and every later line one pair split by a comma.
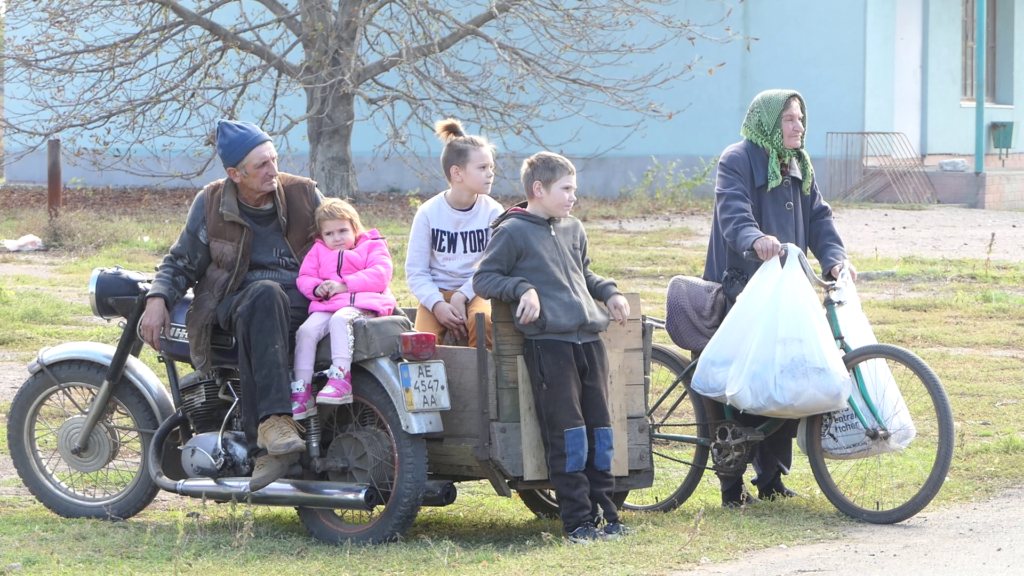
x,y
883,489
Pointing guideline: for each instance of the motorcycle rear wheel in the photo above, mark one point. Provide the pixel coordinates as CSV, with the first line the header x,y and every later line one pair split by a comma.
x,y
110,479
368,433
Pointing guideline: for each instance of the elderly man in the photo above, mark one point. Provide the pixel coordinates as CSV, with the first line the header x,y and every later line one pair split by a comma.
x,y
243,241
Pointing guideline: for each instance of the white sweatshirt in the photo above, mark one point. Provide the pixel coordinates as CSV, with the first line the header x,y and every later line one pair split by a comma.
x,y
445,245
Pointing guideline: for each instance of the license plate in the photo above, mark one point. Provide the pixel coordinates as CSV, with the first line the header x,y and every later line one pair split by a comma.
x,y
425,385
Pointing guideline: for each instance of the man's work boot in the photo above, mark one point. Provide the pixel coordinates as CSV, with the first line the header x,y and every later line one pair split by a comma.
x,y
269,468
280,435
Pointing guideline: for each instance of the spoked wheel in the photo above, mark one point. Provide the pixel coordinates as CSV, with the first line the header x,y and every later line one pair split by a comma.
x,y
673,409
368,435
544,504
893,486
109,479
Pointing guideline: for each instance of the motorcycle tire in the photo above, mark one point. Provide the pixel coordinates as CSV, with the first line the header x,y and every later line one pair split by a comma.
x,y
368,433
110,478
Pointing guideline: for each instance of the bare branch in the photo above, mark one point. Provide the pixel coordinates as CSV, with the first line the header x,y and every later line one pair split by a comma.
x,y
435,47
263,52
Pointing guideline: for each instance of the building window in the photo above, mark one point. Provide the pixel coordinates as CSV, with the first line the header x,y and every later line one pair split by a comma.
x,y
967,81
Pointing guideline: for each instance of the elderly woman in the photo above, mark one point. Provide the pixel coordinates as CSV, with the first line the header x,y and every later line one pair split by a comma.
x,y
766,196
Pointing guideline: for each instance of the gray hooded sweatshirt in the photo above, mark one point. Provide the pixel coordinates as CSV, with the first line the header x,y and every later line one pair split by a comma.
x,y
527,251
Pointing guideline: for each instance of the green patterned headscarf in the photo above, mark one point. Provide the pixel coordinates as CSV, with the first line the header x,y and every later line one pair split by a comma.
x,y
763,126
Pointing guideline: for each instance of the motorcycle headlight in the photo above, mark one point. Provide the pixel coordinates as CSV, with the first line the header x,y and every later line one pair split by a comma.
x,y
113,291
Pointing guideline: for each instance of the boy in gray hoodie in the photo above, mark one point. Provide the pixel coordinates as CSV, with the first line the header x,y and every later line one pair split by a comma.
x,y
537,260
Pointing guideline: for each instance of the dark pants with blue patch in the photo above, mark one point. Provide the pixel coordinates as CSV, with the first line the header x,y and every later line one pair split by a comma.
x,y
570,391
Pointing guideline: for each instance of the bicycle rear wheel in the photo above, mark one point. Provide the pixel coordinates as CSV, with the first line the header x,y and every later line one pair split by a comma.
x,y
891,487
678,465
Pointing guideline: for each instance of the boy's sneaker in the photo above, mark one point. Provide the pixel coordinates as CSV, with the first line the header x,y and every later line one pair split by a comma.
x,y
338,389
303,405
613,530
586,533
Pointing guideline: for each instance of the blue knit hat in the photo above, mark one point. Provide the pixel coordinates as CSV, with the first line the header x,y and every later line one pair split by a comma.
x,y
236,139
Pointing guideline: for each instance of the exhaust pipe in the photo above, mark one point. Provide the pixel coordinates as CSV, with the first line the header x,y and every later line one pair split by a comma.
x,y
312,494
307,493
439,493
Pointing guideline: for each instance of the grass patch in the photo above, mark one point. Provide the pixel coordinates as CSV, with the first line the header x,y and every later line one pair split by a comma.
x,y
481,533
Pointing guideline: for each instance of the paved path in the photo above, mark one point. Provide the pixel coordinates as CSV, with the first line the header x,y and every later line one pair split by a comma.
x,y
984,538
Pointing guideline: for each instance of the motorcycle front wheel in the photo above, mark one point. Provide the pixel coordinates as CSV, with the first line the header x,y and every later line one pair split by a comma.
x,y
368,435
109,479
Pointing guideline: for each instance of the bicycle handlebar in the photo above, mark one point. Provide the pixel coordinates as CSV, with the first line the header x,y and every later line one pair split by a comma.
x,y
804,264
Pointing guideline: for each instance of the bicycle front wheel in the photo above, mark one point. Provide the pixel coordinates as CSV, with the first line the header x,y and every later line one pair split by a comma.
x,y
890,487
673,409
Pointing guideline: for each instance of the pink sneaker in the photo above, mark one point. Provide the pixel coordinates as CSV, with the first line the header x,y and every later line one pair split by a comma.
x,y
338,389
302,401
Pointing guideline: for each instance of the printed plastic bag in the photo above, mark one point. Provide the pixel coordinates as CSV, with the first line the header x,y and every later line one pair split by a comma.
x,y
842,435
774,354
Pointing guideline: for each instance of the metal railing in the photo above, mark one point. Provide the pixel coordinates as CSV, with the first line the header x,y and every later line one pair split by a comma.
x,y
862,165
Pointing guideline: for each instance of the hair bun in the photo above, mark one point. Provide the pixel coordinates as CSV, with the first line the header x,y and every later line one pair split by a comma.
x,y
448,129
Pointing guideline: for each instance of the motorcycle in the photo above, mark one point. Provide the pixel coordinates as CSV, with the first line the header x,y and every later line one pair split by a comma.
x,y
94,433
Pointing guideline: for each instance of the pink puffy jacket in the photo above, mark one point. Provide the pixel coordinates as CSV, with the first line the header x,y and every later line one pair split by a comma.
x,y
365,269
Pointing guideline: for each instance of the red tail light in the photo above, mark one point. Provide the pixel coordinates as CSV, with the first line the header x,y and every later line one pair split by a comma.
x,y
418,345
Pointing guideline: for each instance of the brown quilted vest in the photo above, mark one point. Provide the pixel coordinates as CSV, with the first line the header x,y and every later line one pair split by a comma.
x,y
230,248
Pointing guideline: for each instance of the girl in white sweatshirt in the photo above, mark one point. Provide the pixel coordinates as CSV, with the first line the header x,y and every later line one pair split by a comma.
x,y
448,237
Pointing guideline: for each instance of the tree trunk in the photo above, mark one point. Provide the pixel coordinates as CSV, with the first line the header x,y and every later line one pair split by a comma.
x,y
330,144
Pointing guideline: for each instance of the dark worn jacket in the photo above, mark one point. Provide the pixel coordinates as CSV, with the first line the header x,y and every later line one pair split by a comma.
x,y
212,253
745,210
527,251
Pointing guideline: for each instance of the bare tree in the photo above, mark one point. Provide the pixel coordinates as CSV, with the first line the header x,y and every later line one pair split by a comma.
x,y
126,79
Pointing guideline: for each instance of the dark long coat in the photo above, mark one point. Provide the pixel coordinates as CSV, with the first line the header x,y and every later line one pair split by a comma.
x,y
745,210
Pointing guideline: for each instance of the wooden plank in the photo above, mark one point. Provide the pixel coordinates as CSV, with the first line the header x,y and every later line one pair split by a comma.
x,y
534,465
633,367
509,405
636,401
507,339
628,337
506,370
500,311
617,408
507,447
463,420
443,455
639,440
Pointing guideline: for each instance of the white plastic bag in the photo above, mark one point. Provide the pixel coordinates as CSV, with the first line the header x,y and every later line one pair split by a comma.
x,y
774,354
842,435
27,243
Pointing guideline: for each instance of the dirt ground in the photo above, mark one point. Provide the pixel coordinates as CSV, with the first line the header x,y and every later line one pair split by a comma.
x,y
985,537
936,232
979,538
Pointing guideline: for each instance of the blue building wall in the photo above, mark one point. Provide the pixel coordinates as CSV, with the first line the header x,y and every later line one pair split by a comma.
x,y
950,123
879,65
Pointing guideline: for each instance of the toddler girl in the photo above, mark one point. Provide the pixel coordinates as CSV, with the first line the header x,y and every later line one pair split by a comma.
x,y
345,275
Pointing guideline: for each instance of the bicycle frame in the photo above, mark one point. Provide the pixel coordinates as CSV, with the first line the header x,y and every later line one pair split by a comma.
x,y
773,424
